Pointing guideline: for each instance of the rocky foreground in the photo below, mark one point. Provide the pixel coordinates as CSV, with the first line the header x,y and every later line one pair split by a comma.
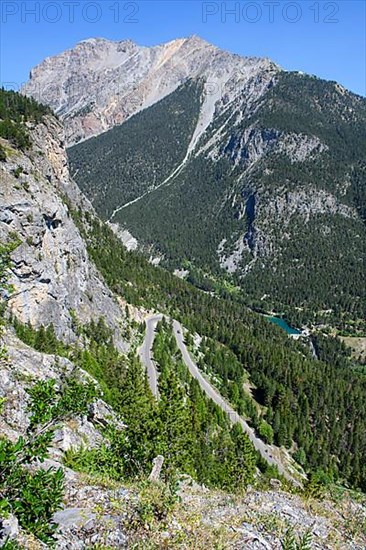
x,y
97,515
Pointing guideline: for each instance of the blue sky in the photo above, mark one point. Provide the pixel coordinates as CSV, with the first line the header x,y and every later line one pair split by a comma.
x,y
319,37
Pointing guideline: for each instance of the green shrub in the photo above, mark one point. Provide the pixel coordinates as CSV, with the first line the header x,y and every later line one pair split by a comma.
x,y
33,494
265,431
17,172
318,484
34,497
11,545
293,542
156,502
300,456
101,462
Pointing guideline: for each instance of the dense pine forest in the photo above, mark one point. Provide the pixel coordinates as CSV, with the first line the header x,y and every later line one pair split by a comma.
x,y
308,265
133,166
315,403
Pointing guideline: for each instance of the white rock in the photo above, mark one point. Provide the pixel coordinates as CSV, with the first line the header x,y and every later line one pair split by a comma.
x,y
9,529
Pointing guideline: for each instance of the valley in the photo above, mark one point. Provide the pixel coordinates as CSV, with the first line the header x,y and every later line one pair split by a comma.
x,y
265,197
150,228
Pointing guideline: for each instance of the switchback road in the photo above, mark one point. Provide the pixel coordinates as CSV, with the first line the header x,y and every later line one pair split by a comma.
x,y
267,452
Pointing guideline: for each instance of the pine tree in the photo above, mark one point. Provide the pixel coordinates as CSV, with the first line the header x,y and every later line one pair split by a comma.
x,y
176,437
139,413
225,460
245,458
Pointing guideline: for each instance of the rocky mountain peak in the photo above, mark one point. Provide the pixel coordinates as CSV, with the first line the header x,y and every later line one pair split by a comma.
x,y
101,83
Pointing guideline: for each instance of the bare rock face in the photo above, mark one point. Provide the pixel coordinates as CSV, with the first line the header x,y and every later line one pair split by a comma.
x,y
287,206
52,275
99,83
22,367
87,517
9,529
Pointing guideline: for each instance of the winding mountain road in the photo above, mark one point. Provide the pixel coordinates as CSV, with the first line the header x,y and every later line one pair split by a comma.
x,y
145,353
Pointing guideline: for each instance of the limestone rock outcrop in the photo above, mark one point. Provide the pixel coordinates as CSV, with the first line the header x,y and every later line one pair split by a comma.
x,y
53,279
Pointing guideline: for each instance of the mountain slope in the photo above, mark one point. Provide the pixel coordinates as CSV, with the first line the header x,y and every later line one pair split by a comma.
x,y
272,194
223,190
315,403
139,163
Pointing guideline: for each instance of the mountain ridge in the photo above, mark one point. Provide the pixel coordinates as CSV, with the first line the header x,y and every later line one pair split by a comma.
x,y
269,158
91,104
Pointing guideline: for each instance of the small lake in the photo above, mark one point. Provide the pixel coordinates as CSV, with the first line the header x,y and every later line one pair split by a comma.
x,y
282,323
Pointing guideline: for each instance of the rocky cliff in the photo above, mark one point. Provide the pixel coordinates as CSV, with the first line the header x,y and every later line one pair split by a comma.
x,y
52,276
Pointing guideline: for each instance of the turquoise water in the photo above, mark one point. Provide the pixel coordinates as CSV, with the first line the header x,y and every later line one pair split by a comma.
x,y
282,323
